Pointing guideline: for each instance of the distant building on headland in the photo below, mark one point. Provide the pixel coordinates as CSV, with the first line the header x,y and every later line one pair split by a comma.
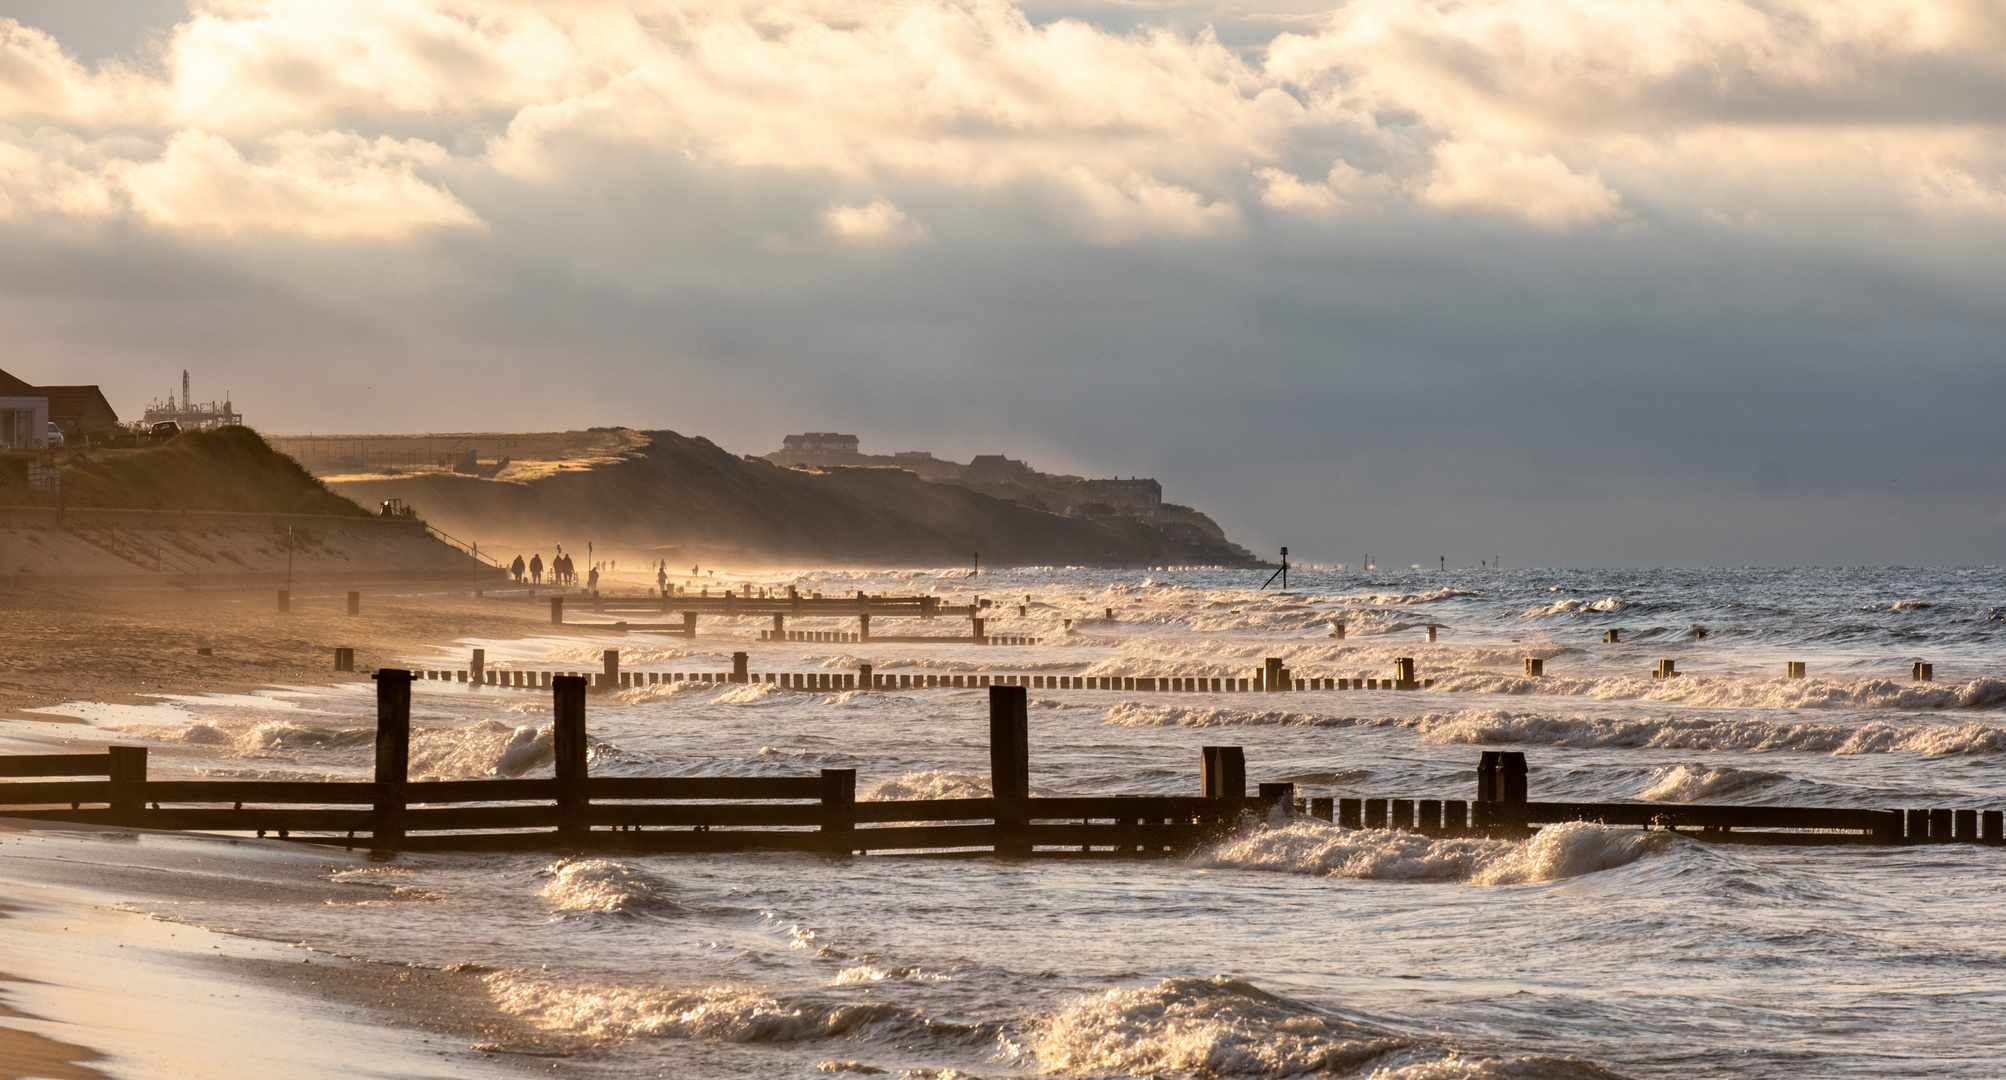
x,y
1137,492
190,416
81,413
1138,498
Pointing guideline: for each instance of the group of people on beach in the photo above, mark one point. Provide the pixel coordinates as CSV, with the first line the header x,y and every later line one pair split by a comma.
x,y
561,572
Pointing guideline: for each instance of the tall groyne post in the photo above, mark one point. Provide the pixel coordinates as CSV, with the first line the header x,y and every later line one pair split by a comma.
x,y
610,678
1010,767
1222,772
393,751
839,807
127,773
557,611
567,744
1501,790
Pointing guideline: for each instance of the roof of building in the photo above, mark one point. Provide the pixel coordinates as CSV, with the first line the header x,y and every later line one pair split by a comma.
x,y
74,400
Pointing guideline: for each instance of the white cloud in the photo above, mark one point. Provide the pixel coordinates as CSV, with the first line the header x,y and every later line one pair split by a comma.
x,y
878,224
1556,112
1541,189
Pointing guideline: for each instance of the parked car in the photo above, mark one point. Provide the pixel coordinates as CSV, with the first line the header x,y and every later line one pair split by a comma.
x,y
165,430
54,439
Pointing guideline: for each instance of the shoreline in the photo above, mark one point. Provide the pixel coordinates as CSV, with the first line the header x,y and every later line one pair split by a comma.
x,y
95,989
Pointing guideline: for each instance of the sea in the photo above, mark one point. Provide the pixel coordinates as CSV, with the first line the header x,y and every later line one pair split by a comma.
x,y
1293,947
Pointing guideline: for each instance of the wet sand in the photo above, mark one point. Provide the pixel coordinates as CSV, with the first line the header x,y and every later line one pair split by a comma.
x,y
90,991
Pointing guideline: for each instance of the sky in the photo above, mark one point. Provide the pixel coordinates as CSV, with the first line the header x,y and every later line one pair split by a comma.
x,y
1566,283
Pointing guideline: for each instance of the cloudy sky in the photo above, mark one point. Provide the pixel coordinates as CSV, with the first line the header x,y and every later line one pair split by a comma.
x,y
1571,282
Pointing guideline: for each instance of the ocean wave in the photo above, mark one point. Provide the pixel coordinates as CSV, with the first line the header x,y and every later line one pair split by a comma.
x,y
1689,782
1322,850
1496,727
603,885
1204,1027
1487,727
482,749
717,1014
1458,1067
930,784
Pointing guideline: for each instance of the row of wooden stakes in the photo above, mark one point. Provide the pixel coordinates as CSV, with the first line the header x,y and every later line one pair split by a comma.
x,y
574,811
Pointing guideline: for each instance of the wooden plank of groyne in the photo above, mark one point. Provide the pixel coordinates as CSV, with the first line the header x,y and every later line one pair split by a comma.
x,y
56,765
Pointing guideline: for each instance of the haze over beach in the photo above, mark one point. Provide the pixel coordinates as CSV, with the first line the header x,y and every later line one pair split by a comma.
x,y
961,539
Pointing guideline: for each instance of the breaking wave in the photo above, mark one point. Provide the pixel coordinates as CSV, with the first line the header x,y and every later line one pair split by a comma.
x,y
930,784
1491,727
1204,1027
718,1014
1487,727
1690,783
603,885
1322,850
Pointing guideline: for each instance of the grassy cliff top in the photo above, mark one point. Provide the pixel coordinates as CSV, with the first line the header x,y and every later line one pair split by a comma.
x,y
228,469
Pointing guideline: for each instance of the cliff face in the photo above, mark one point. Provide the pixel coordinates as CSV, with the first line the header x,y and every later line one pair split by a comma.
x,y
671,493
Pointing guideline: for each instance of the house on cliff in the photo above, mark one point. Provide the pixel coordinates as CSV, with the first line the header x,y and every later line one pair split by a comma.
x,y
81,412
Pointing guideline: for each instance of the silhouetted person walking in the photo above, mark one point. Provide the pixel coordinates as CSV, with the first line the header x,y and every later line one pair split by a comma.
x,y
517,569
536,568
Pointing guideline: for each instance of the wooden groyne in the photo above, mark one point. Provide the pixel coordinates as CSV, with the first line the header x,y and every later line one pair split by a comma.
x,y
1271,677
750,603
575,811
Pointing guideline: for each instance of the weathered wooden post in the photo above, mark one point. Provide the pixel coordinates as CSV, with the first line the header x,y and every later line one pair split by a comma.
x,y
690,625
779,626
864,626
285,600
1351,813
1431,815
1992,826
1612,636
1010,767
1222,772
477,668
393,751
355,603
127,774
557,611
1964,826
839,809
1271,673
1501,789
1280,794
1793,669
611,659
1337,630
1403,674
975,625
1455,816
1535,667
1666,669
1323,808
738,671
1921,672
865,678
344,659
567,744
1376,813
1431,635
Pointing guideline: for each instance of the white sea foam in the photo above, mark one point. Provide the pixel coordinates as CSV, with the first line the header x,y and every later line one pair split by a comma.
x,y
1319,849
604,885
1203,1027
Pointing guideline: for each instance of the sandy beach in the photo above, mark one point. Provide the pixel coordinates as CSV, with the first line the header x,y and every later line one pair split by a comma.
x,y
89,989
